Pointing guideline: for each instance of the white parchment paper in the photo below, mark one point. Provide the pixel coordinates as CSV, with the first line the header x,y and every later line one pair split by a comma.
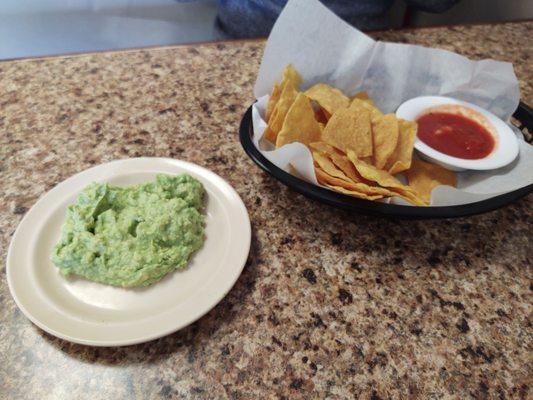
x,y
323,48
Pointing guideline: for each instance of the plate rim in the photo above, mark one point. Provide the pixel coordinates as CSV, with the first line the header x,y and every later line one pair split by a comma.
x,y
156,334
350,203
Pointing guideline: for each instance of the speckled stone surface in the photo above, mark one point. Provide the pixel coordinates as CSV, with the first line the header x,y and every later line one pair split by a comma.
x,y
330,304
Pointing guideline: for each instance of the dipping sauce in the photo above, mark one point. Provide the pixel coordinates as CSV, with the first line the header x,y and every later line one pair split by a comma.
x,y
455,135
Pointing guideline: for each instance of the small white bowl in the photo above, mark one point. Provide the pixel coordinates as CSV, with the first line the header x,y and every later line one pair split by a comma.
x,y
505,142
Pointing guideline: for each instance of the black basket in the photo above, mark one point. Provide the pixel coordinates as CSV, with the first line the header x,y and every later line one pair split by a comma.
x,y
524,120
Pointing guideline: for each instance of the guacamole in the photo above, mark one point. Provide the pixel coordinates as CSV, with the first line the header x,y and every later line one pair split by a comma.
x,y
132,236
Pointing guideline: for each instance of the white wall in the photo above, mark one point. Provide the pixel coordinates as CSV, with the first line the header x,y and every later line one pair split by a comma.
x,y
33,6
44,27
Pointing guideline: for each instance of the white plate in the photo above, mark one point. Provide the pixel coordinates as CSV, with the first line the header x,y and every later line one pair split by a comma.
x,y
90,313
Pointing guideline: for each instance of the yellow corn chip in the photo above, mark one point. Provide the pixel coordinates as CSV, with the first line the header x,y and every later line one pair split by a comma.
x,y
339,159
329,98
353,193
292,76
356,189
287,97
289,75
327,166
300,124
340,185
358,104
269,135
272,100
385,137
384,179
347,167
423,177
362,96
349,129
381,177
400,160
324,147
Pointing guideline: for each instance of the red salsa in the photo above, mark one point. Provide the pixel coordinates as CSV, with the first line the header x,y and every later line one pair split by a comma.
x,y
455,135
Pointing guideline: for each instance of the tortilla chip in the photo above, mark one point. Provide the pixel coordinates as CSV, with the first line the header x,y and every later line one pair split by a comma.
x,y
329,98
344,164
289,75
323,161
400,160
350,129
300,124
368,159
367,171
423,177
361,95
287,97
384,179
353,189
272,100
324,147
385,138
353,193
339,159
292,76
358,103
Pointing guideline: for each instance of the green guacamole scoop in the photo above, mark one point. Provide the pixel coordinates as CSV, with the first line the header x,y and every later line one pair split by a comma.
x,y
132,236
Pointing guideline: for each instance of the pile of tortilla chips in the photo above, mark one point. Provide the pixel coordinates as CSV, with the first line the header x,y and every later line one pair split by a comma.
x,y
356,149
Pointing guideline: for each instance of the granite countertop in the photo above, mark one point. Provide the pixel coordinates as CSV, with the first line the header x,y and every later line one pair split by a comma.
x,y
330,304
